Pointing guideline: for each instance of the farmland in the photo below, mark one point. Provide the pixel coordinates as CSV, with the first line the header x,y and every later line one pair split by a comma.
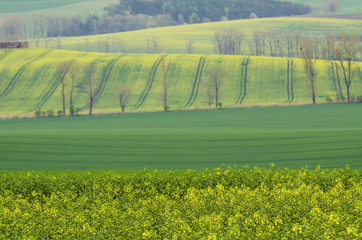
x,y
345,6
291,137
55,7
172,39
29,81
232,203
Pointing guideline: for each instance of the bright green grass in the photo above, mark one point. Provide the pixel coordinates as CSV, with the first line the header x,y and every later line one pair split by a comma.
x,y
172,39
28,81
326,135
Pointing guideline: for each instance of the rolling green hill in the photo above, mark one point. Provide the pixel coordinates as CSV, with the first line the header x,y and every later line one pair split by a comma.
x,y
28,81
291,137
345,6
53,7
172,39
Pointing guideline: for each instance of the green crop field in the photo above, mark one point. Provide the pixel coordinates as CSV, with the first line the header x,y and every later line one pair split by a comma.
x,y
345,6
327,135
172,39
28,81
53,7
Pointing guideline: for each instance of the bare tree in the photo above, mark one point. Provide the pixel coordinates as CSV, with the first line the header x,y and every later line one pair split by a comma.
x,y
297,38
209,92
124,94
228,42
332,6
156,44
189,43
41,23
346,52
290,44
90,71
306,49
73,71
215,81
61,70
165,66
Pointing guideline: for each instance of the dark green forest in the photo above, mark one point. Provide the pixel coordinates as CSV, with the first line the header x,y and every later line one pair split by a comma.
x,y
192,11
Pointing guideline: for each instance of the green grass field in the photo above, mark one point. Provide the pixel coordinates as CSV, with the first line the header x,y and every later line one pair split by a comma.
x,y
28,81
172,39
23,8
345,6
326,135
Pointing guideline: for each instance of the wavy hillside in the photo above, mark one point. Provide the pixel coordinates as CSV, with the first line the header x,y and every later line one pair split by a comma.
x,y
28,81
172,39
344,6
54,7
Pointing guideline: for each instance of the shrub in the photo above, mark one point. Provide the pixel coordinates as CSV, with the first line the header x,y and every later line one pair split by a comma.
x,y
219,104
166,108
329,99
50,113
38,112
60,113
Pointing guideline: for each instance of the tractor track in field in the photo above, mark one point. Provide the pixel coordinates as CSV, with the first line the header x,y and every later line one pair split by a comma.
x,y
243,80
5,54
290,80
49,93
106,75
195,87
151,78
18,74
336,81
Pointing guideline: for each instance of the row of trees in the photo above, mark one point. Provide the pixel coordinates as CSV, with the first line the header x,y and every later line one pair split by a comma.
x,y
41,26
67,73
344,52
233,42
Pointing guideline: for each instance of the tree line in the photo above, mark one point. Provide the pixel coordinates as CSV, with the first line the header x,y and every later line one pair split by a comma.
x,y
274,44
141,14
192,11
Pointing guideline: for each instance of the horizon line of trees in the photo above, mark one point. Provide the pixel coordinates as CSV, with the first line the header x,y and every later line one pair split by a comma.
x,y
142,14
192,11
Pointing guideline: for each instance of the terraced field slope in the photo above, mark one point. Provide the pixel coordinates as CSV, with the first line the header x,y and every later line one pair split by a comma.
x,y
172,39
28,81
328,135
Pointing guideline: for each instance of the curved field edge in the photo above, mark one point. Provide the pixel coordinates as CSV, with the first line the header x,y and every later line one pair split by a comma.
x,y
172,39
291,137
233,203
260,81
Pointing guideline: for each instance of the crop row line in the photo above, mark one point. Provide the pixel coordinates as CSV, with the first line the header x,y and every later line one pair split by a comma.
x,y
243,80
5,53
290,80
336,82
149,84
195,87
18,74
103,83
